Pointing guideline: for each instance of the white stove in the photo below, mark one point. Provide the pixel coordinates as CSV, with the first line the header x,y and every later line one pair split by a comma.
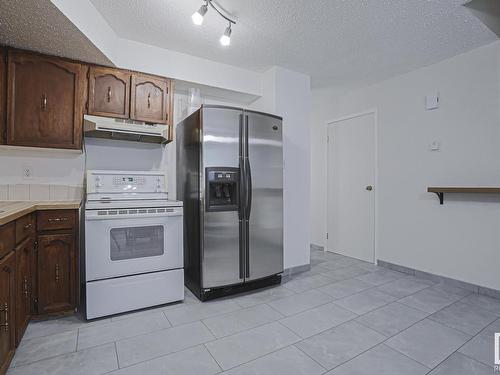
x,y
133,242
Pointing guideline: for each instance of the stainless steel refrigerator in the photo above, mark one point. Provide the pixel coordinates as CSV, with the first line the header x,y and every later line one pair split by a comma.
x,y
230,177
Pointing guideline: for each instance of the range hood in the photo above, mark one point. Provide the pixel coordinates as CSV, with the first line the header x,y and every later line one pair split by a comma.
x,y
124,130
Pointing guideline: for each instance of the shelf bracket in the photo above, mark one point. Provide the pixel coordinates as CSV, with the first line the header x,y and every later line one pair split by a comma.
x,y
440,195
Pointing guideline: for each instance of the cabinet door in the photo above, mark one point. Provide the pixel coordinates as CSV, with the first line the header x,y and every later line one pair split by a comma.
x,y
44,102
149,99
7,301
56,273
23,287
109,92
3,90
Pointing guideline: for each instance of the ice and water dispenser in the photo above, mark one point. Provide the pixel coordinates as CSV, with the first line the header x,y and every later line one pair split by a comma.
x,y
222,189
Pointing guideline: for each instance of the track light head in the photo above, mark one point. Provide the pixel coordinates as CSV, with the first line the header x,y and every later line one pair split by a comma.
x,y
225,39
197,16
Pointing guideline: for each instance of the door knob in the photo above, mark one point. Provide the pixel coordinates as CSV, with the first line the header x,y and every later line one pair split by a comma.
x,y
369,188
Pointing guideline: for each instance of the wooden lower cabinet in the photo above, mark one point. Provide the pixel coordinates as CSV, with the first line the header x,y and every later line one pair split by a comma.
x,y
7,309
56,273
38,273
23,287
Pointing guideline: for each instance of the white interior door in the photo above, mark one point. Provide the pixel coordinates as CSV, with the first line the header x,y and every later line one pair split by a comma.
x,y
351,177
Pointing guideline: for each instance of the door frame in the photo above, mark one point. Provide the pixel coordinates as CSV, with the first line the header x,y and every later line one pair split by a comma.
x,y
374,112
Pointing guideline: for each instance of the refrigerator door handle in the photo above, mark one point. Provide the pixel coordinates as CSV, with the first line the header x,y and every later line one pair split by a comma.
x,y
248,207
242,249
248,175
248,199
242,190
242,175
247,249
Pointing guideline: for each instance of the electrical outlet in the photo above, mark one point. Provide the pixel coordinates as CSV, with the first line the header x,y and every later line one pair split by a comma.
x,y
27,173
435,146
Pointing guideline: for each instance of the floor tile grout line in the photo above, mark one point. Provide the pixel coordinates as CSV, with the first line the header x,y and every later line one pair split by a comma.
x,y
130,337
209,330
166,317
28,339
471,358
273,351
457,329
56,356
211,355
163,355
306,354
116,353
77,339
263,355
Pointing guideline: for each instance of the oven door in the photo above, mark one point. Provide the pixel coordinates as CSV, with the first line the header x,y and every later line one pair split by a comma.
x,y
118,243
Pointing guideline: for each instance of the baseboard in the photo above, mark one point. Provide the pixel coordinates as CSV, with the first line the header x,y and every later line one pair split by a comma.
x,y
441,279
315,247
288,272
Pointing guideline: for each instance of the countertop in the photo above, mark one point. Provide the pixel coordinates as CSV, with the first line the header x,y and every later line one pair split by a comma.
x,y
12,210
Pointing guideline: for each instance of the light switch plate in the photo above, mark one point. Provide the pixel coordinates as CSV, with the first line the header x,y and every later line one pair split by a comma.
x,y
432,101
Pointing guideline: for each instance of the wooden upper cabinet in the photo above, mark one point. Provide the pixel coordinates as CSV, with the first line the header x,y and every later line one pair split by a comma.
x,y
44,101
149,99
109,92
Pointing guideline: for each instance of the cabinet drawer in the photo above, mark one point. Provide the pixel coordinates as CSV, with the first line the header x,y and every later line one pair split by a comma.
x,y
56,219
7,238
24,228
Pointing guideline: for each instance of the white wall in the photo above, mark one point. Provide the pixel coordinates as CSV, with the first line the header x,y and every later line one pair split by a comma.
x,y
48,166
280,91
460,239
287,94
142,57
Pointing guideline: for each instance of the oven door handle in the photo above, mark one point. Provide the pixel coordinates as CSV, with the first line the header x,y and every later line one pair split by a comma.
x,y
131,216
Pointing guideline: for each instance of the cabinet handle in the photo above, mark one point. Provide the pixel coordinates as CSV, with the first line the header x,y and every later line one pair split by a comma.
x,y
27,226
44,102
109,94
57,273
149,100
58,219
5,325
25,287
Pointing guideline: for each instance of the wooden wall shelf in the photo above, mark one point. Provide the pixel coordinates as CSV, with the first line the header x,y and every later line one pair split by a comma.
x,y
439,191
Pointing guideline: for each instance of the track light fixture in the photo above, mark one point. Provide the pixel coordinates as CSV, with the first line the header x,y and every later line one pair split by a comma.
x,y
198,16
225,39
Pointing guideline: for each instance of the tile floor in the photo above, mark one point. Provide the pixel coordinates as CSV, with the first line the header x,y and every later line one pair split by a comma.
x,y
342,317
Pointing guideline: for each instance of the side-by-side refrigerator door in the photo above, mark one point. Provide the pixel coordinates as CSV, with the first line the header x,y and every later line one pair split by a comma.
x,y
221,260
265,196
